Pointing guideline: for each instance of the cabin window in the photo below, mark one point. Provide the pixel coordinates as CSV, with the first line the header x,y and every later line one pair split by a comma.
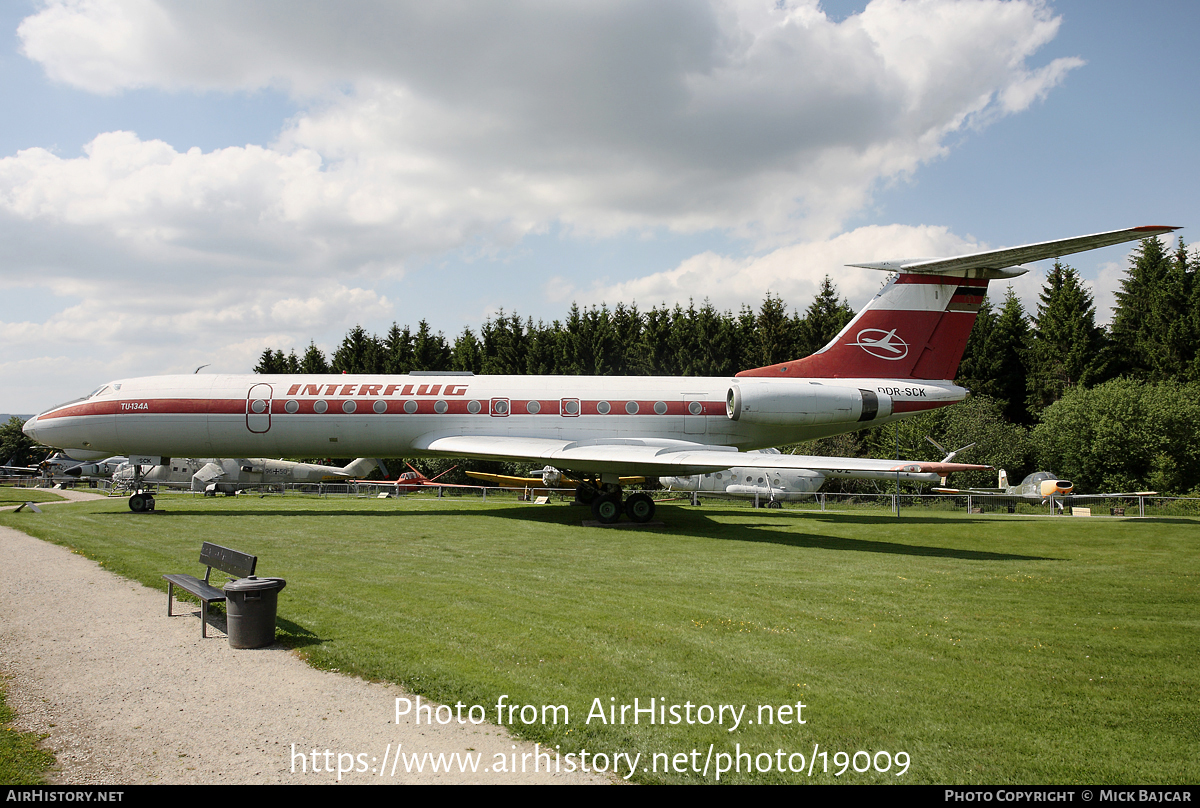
x,y
533,407
631,407
410,407
292,406
320,406
603,407
379,406
660,407
349,407
474,407
440,407
695,408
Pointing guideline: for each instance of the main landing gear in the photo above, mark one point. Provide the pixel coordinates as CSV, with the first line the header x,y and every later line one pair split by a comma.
x,y
607,505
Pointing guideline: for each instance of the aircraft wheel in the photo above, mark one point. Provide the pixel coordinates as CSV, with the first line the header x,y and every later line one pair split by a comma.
x,y
585,493
137,503
606,509
639,508
774,504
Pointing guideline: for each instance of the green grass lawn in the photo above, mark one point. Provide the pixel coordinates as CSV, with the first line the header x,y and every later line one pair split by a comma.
x,y
10,495
990,649
22,762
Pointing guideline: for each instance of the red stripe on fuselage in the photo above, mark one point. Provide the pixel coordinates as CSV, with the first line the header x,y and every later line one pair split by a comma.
x,y
334,406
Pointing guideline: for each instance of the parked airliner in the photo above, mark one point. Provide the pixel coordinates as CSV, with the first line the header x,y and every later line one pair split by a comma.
x,y
897,357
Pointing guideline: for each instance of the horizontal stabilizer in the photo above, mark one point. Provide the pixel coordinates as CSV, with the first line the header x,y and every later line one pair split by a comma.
x,y
1005,263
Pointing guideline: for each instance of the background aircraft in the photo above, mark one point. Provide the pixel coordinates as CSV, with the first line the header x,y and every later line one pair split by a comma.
x,y
413,480
55,465
776,486
97,470
14,470
228,475
1039,485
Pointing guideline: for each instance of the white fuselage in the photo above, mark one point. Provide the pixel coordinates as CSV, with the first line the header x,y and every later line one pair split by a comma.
x,y
392,416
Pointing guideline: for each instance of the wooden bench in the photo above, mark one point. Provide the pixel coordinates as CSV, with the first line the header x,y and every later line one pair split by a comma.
x,y
216,557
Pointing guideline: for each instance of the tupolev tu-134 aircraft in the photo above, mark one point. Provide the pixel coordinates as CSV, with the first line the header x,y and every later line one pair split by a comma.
x,y
896,358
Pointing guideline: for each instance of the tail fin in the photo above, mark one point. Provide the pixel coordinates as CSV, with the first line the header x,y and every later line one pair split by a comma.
x,y
362,467
915,328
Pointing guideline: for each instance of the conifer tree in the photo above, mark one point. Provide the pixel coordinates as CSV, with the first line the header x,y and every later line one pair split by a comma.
x,y
313,361
270,362
825,317
1010,345
466,354
430,351
1136,321
774,339
398,350
544,348
1065,342
359,352
978,368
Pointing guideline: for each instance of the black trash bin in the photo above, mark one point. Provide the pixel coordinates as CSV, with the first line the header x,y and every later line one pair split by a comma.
x,y
250,611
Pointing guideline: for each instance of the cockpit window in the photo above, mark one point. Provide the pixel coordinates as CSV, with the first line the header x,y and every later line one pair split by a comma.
x,y
98,391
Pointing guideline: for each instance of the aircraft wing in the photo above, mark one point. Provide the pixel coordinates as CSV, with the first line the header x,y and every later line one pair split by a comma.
x,y
995,262
655,458
506,481
1118,495
994,492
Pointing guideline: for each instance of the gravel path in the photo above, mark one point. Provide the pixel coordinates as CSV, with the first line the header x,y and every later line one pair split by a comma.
x,y
128,696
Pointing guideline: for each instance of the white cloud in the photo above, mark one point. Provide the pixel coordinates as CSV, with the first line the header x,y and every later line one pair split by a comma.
x,y
794,273
448,120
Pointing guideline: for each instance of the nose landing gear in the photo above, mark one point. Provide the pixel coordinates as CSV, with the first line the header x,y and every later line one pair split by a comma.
x,y
141,503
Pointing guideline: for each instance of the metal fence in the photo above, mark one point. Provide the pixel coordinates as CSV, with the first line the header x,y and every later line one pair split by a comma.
x,y
1078,505
985,505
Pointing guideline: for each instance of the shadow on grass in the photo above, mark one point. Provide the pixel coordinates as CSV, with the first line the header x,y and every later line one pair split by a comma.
x,y
294,635
870,546
691,521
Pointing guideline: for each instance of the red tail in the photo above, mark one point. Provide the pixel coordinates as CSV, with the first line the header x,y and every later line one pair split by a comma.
x,y
915,328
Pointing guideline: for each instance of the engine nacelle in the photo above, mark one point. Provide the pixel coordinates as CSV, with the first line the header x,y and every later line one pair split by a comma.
x,y
790,404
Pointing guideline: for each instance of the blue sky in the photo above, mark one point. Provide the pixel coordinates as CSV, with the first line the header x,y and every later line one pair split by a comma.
x,y
183,184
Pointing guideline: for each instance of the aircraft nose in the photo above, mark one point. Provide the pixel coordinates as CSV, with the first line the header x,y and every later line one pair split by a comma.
x,y
30,427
